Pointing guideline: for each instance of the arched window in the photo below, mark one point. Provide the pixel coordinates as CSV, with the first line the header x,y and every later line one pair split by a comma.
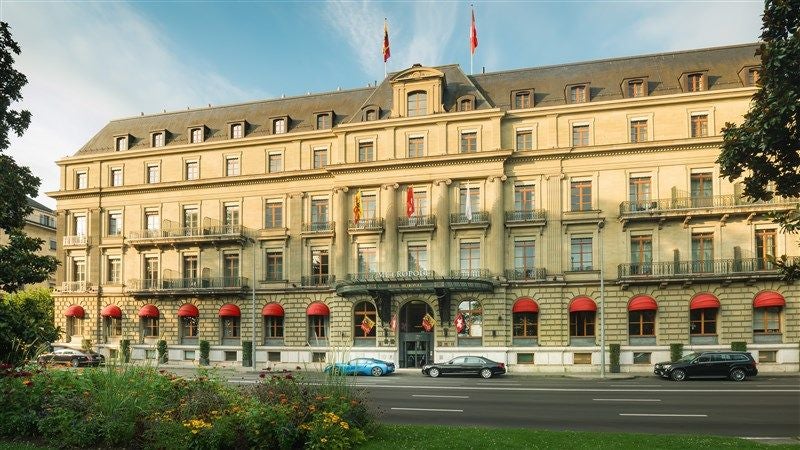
x,y
469,322
273,324
767,308
582,312
364,320
148,318
525,318
642,316
465,105
188,316
703,311
230,322
112,321
318,318
417,103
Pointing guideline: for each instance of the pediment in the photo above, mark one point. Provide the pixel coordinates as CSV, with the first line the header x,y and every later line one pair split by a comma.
x,y
417,73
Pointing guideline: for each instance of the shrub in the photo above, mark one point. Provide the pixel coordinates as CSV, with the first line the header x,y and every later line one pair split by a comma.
x,y
162,351
125,350
26,321
614,350
205,348
739,346
247,353
86,344
675,352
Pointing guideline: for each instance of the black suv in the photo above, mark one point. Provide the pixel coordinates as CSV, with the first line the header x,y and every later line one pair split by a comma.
x,y
734,365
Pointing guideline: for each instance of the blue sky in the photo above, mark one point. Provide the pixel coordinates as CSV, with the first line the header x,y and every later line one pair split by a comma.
x,y
90,62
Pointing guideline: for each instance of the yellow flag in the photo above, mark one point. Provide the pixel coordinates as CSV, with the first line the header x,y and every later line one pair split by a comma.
x,y
357,207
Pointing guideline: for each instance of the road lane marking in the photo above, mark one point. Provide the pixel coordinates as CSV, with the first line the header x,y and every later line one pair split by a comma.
x,y
428,409
776,385
440,396
526,389
626,399
636,385
663,415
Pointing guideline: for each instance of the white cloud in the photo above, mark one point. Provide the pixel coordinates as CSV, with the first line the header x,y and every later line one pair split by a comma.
x,y
88,63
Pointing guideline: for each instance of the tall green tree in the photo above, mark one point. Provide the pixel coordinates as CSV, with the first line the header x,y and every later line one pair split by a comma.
x,y
19,263
764,151
26,324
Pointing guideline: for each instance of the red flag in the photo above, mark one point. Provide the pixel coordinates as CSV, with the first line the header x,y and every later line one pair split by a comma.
x,y
409,201
366,325
459,323
386,52
473,35
427,322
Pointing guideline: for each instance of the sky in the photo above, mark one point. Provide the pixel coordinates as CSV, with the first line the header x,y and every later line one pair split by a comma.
x,y
89,62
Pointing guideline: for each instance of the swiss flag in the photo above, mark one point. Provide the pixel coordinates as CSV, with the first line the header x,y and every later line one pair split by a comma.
x,y
409,201
473,35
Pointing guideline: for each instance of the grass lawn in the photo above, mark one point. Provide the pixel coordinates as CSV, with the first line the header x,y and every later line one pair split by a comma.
x,y
426,437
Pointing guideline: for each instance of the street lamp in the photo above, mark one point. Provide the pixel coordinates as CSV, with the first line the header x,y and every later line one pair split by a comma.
x,y
600,226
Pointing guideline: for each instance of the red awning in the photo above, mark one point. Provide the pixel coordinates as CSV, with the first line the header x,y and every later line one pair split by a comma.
x,y
229,310
75,311
703,301
318,309
579,304
525,305
273,310
149,311
188,310
768,298
111,311
642,303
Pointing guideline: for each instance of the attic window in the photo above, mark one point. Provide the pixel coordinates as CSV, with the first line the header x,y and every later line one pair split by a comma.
x,y
694,82
636,88
196,135
157,138
578,94
753,74
522,99
417,103
120,143
370,115
465,103
324,120
279,125
236,130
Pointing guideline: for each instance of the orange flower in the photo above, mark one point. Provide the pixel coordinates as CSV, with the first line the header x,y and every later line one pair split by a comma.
x,y
28,383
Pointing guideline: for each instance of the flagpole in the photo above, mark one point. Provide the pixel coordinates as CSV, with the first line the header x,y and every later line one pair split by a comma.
x,y
471,52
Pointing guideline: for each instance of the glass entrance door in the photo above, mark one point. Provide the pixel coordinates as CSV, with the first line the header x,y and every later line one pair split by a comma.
x,y
416,344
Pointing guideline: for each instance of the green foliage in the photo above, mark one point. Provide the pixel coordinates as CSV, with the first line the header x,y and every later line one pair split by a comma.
x,y
205,348
247,353
86,344
675,352
26,325
614,351
11,83
162,351
739,346
125,350
19,263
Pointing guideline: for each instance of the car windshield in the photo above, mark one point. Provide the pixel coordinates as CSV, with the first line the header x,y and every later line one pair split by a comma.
x,y
688,357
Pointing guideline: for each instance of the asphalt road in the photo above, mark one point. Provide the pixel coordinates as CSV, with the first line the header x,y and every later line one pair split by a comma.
x,y
761,407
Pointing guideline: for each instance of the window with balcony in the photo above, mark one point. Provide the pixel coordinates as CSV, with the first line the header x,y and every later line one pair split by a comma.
x,y
766,248
367,259
703,252
232,216
580,135
364,320
116,177
638,131
190,269
319,214
79,225
701,189
577,94
699,125
320,156
417,256
114,270
471,314
469,142
232,168
470,258
79,269
420,203
192,170
636,88
581,195
524,140
279,126
581,254
469,200
366,151
81,180
524,197
153,174
639,188
694,82
273,216
525,259
275,162
115,223
417,103
152,222
416,146
273,265
150,271
230,269
369,206
642,254
320,268
191,220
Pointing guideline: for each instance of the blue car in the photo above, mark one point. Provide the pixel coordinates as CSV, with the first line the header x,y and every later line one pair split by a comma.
x,y
361,366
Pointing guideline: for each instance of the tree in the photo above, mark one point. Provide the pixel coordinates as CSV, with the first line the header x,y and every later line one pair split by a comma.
x,y
765,148
19,263
26,324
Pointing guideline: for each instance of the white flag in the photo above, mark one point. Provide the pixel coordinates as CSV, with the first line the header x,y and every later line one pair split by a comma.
x,y
468,206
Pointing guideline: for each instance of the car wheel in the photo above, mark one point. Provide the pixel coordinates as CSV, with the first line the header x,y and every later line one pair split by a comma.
x,y
485,373
75,362
738,375
678,375
377,371
433,372
336,371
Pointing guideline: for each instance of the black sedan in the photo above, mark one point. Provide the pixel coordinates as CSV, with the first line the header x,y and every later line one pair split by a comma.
x,y
72,357
465,365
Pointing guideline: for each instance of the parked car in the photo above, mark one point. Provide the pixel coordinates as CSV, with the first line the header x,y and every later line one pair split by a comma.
x,y
361,366
72,357
465,365
734,365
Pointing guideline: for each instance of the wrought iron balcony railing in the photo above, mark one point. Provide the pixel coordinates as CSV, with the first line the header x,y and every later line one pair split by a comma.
x,y
697,269
80,239
530,274
365,224
317,280
75,286
189,284
423,221
526,215
477,217
470,273
213,231
688,203
318,227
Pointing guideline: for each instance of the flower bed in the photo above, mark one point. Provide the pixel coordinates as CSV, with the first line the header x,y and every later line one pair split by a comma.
x,y
144,408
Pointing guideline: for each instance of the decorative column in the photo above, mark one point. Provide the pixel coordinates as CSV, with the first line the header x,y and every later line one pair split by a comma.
x,y
294,218
61,254
440,205
389,250
496,246
341,213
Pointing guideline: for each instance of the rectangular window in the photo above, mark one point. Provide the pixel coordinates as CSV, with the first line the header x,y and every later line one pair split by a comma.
x,y
80,226
581,195
642,323
237,131
702,252
703,321
635,88
522,100
319,266
196,135
694,82
765,248
190,268
231,269
767,320
231,328
581,253
153,175
230,356
524,358
581,358
639,188
367,259
121,143
113,327
416,147
641,357
189,328
581,323
188,355
317,329
369,207
279,126
274,356
157,140
767,356
577,94
366,151
320,158
525,325
319,214
152,221
274,265
191,221
192,170
699,125
318,357
323,121
702,189
231,214
273,327
275,162
525,258
150,329
469,142
417,104
638,131
79,269
580,135
116,177
417,257
524,197
642,255
524,140
232,166
81,180
753,76
151,269
114,223
470,258
273,217
114,273
473,196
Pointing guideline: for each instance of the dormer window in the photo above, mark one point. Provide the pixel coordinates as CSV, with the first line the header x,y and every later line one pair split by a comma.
x,y
636,88
196,135
417,103
120,143
694,82
579,93
522,99
236,130
465,103
324,120
753,74
370,114
158,138
280,125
